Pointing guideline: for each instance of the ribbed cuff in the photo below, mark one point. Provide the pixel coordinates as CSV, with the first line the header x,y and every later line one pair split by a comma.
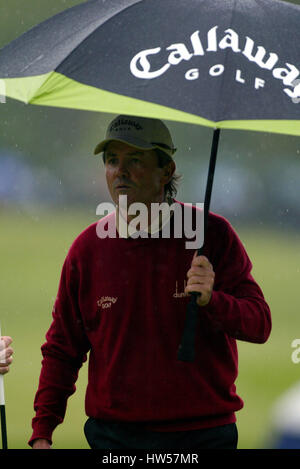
x,y
42,432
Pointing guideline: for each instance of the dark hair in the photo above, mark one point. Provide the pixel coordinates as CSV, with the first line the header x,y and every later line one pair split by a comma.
x,y
172,185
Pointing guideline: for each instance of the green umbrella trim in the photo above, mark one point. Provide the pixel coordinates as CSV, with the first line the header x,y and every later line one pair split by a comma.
x,y
55,89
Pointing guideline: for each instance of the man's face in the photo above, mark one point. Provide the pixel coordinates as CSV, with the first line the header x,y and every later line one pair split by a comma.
x,y
134,173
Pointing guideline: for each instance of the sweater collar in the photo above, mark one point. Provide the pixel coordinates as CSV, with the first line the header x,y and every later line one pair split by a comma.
x,y
126,230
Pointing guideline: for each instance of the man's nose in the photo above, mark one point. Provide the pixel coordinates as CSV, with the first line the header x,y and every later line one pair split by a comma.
x,y
122,168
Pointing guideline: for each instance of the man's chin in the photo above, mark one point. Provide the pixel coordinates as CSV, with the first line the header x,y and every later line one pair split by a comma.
x,y
124,197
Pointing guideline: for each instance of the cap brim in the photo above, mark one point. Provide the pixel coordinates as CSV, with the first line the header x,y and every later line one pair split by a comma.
x,y
139,144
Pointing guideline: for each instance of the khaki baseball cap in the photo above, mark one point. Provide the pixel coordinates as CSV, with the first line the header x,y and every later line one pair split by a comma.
x,y
140,132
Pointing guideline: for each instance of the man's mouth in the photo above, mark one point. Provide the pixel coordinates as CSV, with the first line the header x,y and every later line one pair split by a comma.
x,y
123,186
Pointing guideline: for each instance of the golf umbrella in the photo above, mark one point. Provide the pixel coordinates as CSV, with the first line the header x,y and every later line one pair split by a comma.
x,y
226,64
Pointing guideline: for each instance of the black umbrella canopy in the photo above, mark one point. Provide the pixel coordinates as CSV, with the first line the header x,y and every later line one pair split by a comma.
x,y
221,63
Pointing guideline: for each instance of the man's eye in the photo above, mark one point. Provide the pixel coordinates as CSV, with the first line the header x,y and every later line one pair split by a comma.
x,y
111,160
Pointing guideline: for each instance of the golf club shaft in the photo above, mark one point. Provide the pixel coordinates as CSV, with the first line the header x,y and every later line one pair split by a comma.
x,y
2,409
3,427
186,351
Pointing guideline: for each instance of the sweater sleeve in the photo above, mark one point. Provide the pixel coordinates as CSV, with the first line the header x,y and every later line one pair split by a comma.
x,y
237,305
63,353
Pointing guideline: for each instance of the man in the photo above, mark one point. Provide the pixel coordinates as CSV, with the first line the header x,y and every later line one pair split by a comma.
x,y
5,354
124,298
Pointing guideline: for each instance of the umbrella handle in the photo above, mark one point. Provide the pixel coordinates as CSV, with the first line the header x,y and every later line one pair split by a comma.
x,y
186,350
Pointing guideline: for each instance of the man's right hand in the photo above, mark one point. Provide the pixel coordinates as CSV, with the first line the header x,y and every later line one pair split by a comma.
x,y
40,443
5,354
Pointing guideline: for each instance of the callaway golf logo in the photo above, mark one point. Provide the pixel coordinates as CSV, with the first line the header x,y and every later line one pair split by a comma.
x,y
141,66
124,124
106,301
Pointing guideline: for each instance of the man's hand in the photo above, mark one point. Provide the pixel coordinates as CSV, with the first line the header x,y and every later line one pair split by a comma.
x,y
40,443
5,354
201,279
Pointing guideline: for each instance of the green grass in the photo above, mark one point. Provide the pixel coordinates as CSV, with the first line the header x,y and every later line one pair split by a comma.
x,y
32,250
265,371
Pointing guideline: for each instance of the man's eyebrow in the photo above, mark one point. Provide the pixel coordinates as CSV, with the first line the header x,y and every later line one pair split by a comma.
x,y
136,152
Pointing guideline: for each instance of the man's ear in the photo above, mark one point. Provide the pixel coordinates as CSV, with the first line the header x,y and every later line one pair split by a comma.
x,y
168,171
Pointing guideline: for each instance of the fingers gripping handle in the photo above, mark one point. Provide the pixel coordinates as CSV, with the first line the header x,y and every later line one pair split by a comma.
x,y
2,398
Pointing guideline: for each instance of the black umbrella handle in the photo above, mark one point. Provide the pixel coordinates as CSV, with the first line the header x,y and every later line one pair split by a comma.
x,y
186,351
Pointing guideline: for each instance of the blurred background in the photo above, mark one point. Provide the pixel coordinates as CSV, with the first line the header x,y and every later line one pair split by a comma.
x,y
50,186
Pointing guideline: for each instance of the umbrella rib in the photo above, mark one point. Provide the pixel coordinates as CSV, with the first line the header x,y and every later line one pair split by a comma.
x,y
94,24
59,64
220,114
91,32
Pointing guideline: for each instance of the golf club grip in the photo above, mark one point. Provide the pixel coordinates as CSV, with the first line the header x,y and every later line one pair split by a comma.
x,y
3,427
2,398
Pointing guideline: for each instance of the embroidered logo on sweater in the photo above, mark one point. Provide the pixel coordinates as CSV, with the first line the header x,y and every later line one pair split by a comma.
x,y
106,301
181,294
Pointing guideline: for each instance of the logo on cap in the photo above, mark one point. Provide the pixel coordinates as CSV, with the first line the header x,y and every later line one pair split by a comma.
x,y
125,122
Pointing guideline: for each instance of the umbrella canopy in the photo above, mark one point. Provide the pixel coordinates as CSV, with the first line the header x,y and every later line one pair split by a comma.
x,y
220,63
226,64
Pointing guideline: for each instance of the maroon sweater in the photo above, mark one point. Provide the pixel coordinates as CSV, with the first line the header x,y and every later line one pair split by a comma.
x,y
123,301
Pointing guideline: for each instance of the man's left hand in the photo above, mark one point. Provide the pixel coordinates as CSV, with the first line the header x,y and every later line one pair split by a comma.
x,y
201,279
5,354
